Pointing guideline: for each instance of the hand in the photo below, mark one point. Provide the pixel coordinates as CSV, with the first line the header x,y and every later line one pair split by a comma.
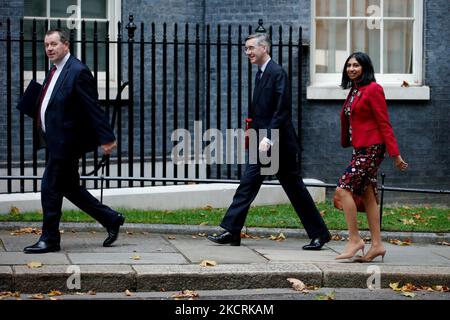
x,y
400,163
264,146
109,147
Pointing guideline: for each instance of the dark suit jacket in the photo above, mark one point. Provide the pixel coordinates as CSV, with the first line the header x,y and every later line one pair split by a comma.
x,y
271,107
369,119
74,121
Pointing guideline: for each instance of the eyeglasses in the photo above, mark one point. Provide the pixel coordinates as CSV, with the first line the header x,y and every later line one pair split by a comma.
x,y
251,49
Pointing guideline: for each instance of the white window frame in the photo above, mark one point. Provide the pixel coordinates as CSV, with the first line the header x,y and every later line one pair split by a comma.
x,y
326,85
113,14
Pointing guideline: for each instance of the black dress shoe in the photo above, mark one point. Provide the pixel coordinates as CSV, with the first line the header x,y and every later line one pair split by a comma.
x,y
42,247
113,231
317,243
227,238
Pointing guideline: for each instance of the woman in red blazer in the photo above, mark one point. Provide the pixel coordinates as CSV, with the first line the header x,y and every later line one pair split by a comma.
x,y
365,125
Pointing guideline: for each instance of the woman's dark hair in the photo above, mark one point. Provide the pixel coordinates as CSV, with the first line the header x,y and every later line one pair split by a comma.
x,y
368,73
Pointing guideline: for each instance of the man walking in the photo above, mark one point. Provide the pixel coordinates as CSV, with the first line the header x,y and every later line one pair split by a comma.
x,y
271,110
71,123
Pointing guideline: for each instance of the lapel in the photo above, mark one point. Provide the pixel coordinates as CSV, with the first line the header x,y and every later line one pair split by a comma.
x,y
60,80
262,82
357,98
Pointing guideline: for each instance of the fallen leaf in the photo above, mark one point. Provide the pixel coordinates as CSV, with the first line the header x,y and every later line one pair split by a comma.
x,y
336,237
204,223
128,293
135,257
208,263
55,298
202,234
194,237
171,237
208,207
298,285
26,231
37,296
9,294
91,292
408,222
55,293
394,286
443,243
189,294
34,264
323,213
409,294
441,288
405,84
280,237
397,242
129,232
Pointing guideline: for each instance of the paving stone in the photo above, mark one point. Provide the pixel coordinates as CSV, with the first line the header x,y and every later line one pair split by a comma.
x,y
20,258
127,258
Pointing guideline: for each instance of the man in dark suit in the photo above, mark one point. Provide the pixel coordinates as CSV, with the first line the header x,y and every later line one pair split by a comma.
x,y
271,110
71,122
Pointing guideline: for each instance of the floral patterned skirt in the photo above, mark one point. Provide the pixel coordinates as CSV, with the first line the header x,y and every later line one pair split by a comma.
x,y
363,169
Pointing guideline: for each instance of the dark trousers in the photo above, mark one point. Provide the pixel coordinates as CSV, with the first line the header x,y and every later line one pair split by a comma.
x,y
293,185
61,179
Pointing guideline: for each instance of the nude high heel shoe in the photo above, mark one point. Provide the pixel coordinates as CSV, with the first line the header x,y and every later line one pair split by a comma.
x,y
352,253
370,256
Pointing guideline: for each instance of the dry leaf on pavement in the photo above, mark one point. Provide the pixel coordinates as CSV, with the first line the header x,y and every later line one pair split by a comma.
x,y
397,242
186,294
91,292
128,293
171,237
26,231
55,293
34,264
280,237
208,263
136,257
37,296
298,285
443,243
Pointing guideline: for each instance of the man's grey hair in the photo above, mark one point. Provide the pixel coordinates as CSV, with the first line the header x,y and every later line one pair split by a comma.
x,y
262,39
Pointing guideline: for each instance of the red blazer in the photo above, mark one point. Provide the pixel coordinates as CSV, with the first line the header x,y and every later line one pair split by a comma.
x,y
369,120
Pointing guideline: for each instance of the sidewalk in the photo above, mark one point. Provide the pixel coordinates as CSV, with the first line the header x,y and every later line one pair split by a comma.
x,y
167,258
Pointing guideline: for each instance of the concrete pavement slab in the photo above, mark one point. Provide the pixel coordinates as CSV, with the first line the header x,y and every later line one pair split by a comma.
x,y
20,258
276,255
415,254
197,250
127,258
356,275
127,242
224,276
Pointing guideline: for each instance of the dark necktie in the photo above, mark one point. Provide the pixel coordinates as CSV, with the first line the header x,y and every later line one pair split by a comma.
x,y
258,77
44,91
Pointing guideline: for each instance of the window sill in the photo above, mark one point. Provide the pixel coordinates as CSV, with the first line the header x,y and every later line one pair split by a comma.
x,y
330,92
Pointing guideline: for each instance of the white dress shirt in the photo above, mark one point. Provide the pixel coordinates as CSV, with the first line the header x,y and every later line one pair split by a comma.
x,y
51,86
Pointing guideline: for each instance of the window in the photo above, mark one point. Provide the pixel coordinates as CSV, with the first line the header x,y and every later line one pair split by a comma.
x,y
390,32
70,13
